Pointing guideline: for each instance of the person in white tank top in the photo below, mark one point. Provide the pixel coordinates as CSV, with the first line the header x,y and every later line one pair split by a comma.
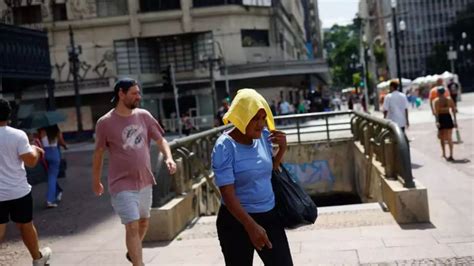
x,y
50,137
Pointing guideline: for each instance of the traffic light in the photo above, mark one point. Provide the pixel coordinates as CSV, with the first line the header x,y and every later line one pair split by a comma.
x,y
166,75
361,83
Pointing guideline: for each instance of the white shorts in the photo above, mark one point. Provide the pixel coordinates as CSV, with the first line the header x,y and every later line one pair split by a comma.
x,y
132,205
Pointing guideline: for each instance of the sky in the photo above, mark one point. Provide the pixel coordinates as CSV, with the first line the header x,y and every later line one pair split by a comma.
x,y
337,11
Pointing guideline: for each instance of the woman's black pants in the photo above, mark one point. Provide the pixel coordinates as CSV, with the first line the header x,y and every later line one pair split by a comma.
x,y
237,247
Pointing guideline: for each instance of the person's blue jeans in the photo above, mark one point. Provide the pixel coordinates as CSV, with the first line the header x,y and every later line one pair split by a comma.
x,y
53,158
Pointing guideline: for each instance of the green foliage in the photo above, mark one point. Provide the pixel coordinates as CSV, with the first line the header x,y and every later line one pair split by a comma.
x,y
379,53
356,79
340,43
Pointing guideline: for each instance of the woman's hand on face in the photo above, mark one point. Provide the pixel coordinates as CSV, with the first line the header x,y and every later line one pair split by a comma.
x,y
279,138
258,236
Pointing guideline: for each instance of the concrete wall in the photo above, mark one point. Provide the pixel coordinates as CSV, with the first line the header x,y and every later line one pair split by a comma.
x,y
339,166
321,167
342,167
407,205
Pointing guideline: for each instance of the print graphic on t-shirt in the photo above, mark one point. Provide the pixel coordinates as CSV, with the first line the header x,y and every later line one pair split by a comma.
x,y
132,137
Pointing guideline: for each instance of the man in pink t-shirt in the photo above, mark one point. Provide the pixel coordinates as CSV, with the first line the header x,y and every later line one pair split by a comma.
x,y
126,132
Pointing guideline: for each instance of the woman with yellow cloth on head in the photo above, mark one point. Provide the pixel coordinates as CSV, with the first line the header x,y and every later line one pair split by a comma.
x,y
242,160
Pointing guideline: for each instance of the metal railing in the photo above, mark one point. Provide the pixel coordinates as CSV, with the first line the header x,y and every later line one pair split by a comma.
x,y
199,122
316,126
379,137
193,156
385,140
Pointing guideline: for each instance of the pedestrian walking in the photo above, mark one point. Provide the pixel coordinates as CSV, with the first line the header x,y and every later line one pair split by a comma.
x,y
221,112
284,109
434,93
126,132
188,126
242,161
51,139
445,110
453,88
395,106
16,203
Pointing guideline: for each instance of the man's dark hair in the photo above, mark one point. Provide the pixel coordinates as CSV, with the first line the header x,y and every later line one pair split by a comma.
x,y
5,110
123,85
394,84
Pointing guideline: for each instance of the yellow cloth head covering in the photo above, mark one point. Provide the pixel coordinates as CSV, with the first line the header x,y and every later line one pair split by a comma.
x,y
244,107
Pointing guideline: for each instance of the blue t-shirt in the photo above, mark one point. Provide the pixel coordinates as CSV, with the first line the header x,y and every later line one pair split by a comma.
x,y
249,168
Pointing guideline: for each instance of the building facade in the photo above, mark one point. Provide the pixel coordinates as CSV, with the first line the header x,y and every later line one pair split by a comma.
x,y
25,63
427,27
243,40
314,34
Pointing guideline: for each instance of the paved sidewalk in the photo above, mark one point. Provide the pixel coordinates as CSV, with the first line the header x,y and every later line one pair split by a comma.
x,y
354,234
84,231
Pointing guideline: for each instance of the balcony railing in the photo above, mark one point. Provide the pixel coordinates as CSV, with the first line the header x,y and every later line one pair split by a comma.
x,y
24,53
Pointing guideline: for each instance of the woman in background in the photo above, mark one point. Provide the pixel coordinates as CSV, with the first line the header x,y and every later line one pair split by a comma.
x,y
51,138
444,111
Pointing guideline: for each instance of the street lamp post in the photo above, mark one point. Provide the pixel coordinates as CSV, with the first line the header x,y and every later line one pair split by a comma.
x,y
224,65
452,55
366,72
211,62
353,66
465,46
397,45
74,61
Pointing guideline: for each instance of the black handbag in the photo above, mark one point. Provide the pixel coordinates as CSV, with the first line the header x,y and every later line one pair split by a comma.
x,y
294,207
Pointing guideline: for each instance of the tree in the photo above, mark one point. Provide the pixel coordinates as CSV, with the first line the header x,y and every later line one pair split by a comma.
x,y
340,43
379,53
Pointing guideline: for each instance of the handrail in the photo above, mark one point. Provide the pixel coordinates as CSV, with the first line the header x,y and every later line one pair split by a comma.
x,y
402,145
195,150
297,118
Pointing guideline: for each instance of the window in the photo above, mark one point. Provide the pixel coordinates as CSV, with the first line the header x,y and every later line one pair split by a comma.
x,y
126,58
59,12
203,47
177,51
183,51
157,5
254,38
204,3
108,8
148,51
27,14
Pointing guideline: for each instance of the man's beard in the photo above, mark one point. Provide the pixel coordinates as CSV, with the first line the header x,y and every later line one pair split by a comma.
x,y
132,105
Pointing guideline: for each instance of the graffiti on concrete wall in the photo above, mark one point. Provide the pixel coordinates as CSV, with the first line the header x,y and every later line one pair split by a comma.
x,y
85,69
311,173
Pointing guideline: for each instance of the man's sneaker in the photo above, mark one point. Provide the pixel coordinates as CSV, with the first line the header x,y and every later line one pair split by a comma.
x,y
45,256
